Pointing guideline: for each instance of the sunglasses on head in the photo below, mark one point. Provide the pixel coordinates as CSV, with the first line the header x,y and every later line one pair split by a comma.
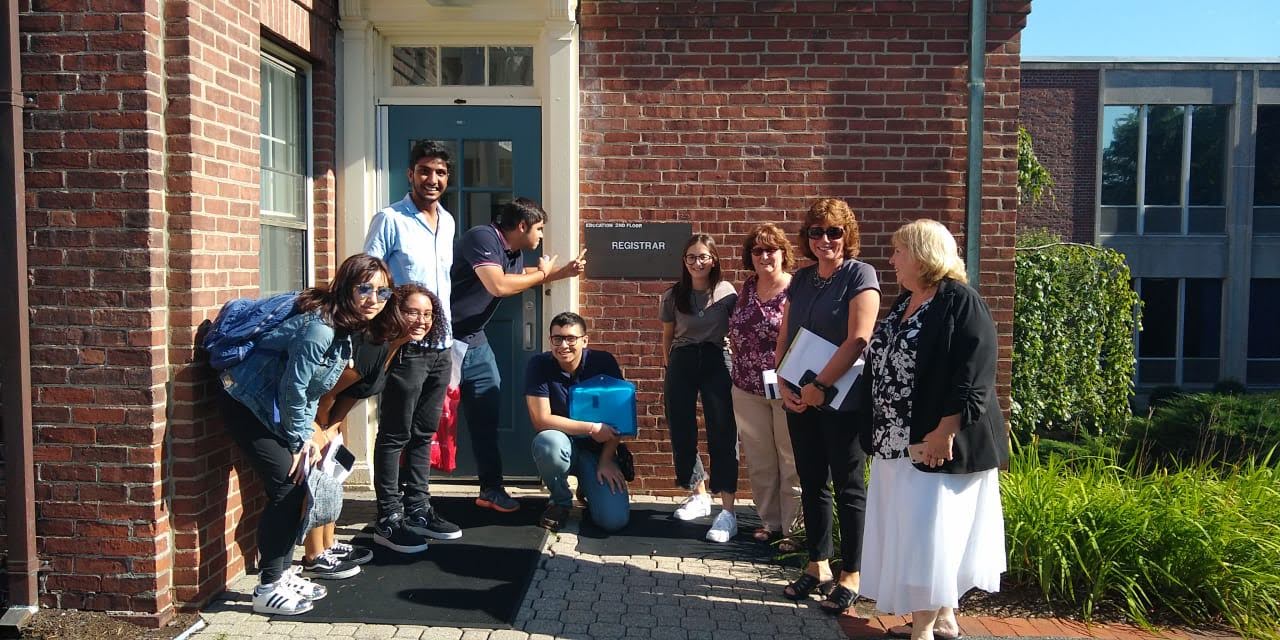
x,y
367,290
832,233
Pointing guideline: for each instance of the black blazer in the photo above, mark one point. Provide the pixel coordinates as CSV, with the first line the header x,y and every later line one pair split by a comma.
x,y
955,374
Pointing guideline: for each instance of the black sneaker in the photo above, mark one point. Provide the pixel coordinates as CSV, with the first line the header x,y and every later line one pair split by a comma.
x,y
554,517
327,567
498,499
392,533
429,523
351,553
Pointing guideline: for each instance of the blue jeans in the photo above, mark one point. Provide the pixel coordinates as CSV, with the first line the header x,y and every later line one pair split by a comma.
x,y
557,456
481,392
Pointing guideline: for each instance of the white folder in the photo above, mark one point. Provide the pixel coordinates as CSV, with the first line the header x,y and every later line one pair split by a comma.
x,y
811,352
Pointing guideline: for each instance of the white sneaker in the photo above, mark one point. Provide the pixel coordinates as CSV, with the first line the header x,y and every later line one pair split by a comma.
x,y
694,507
279,599
724,527
293,579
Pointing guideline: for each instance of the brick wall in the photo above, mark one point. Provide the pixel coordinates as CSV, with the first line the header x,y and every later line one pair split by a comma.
x,y
728,114
1060,110
142,178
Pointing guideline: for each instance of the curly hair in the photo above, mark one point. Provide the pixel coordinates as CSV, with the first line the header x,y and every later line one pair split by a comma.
x,y
338,304
439,324
834,213
768,235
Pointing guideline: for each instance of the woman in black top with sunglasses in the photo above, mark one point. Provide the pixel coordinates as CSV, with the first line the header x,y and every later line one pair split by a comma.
x,y
838,299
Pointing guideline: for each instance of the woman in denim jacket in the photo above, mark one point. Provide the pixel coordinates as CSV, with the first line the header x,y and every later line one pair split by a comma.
x,y
270,407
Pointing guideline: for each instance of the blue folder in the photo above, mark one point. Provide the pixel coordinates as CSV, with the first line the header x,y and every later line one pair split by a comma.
x,y
605,399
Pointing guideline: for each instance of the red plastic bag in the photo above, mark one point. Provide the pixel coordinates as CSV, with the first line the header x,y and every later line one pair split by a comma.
x,y
444,448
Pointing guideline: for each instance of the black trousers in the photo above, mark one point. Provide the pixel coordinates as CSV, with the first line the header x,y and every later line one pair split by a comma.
x,y
693,370
271,458
408,417
826,447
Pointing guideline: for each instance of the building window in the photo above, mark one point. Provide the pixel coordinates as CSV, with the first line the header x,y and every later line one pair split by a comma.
x,y
282,263
1264,341
462,66
1164,169
1181,331
1266,180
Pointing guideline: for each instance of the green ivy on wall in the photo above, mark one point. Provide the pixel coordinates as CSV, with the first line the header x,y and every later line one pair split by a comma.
x,y
1034,181
1074,316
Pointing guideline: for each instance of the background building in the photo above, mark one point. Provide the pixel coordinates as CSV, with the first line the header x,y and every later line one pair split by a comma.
x,y
1177,165
185,152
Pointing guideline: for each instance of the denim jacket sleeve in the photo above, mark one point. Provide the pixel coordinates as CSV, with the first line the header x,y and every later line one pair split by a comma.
x,y
306,357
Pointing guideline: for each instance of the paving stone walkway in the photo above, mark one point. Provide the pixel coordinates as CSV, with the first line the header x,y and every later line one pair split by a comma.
x,y
585,597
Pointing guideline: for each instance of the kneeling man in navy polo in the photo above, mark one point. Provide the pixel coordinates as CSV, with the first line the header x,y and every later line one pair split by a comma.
x,y
564,446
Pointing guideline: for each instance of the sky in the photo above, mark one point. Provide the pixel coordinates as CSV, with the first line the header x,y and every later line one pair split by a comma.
x,y
1153,28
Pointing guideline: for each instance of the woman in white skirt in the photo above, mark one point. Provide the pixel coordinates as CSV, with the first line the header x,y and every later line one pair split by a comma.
x,y
934,527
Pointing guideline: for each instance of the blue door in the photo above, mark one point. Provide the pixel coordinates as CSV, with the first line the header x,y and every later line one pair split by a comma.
x,y
497,156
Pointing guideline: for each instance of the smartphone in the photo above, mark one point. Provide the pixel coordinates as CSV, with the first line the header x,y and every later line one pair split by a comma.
x,y
344,457
916,451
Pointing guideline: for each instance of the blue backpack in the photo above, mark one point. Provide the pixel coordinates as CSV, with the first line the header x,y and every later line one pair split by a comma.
x,y
239,325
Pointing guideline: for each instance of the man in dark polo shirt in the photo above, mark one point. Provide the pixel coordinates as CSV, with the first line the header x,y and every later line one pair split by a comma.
x,y
487,266
565,446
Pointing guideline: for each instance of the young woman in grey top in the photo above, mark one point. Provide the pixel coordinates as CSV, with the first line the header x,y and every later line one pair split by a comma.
x,y
695,326
838,299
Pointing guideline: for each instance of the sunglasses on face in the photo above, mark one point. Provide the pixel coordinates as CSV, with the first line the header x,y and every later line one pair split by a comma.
x,y
563,340
691,258
367,290
760,251
832,233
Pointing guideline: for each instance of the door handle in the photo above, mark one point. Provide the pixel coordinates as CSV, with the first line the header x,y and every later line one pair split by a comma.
x,y
529,313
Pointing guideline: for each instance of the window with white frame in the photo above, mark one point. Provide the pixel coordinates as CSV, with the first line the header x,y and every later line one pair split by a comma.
x,y
462,66
1266,177
285,213
1181,331
1164,169
1264,341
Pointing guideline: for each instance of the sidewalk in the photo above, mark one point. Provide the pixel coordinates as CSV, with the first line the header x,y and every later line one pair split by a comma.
x,y
588,597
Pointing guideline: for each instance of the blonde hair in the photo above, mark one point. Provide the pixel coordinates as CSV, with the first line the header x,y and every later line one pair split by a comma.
x,y
929,242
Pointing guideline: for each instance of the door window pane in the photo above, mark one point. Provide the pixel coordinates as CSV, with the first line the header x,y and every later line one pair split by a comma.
x,y
488,163
510,66
1164,155
282,261
414,66
483,205
1159,337
1120,155
1206,183
462,66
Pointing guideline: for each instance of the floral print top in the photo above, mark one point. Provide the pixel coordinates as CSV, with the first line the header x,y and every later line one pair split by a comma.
x,y
892,362
753,334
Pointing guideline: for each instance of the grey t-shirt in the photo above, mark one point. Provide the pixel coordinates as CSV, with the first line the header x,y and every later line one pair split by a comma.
x,y
822,306
709,321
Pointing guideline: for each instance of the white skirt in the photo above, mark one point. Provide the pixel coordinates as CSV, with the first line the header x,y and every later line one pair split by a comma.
x,y
930,537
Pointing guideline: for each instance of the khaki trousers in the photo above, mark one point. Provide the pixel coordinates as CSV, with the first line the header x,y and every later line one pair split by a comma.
x,y
771,465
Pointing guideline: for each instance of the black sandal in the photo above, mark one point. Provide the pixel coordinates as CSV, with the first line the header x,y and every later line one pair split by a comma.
x,y
803,586
839,600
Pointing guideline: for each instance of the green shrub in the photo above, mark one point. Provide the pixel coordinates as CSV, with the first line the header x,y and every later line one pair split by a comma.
x,y
1230,387
1073,326
1162,395
1198,542
1208,427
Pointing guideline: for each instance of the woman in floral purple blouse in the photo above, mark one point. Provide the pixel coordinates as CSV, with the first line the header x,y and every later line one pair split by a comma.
x,y
762,424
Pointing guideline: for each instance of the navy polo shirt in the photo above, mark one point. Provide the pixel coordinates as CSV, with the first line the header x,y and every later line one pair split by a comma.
x,y
472,304
545,379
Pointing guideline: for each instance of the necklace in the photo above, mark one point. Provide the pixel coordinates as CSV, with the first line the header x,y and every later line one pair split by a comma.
x,y
819,282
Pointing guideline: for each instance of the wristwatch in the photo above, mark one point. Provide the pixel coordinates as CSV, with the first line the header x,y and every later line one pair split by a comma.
x,y
828,393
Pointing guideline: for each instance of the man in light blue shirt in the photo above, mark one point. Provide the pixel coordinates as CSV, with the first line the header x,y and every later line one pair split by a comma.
x,y
415,237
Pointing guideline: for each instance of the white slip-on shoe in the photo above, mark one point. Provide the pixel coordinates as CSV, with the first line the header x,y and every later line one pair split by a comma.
x,y
724,527
694,507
